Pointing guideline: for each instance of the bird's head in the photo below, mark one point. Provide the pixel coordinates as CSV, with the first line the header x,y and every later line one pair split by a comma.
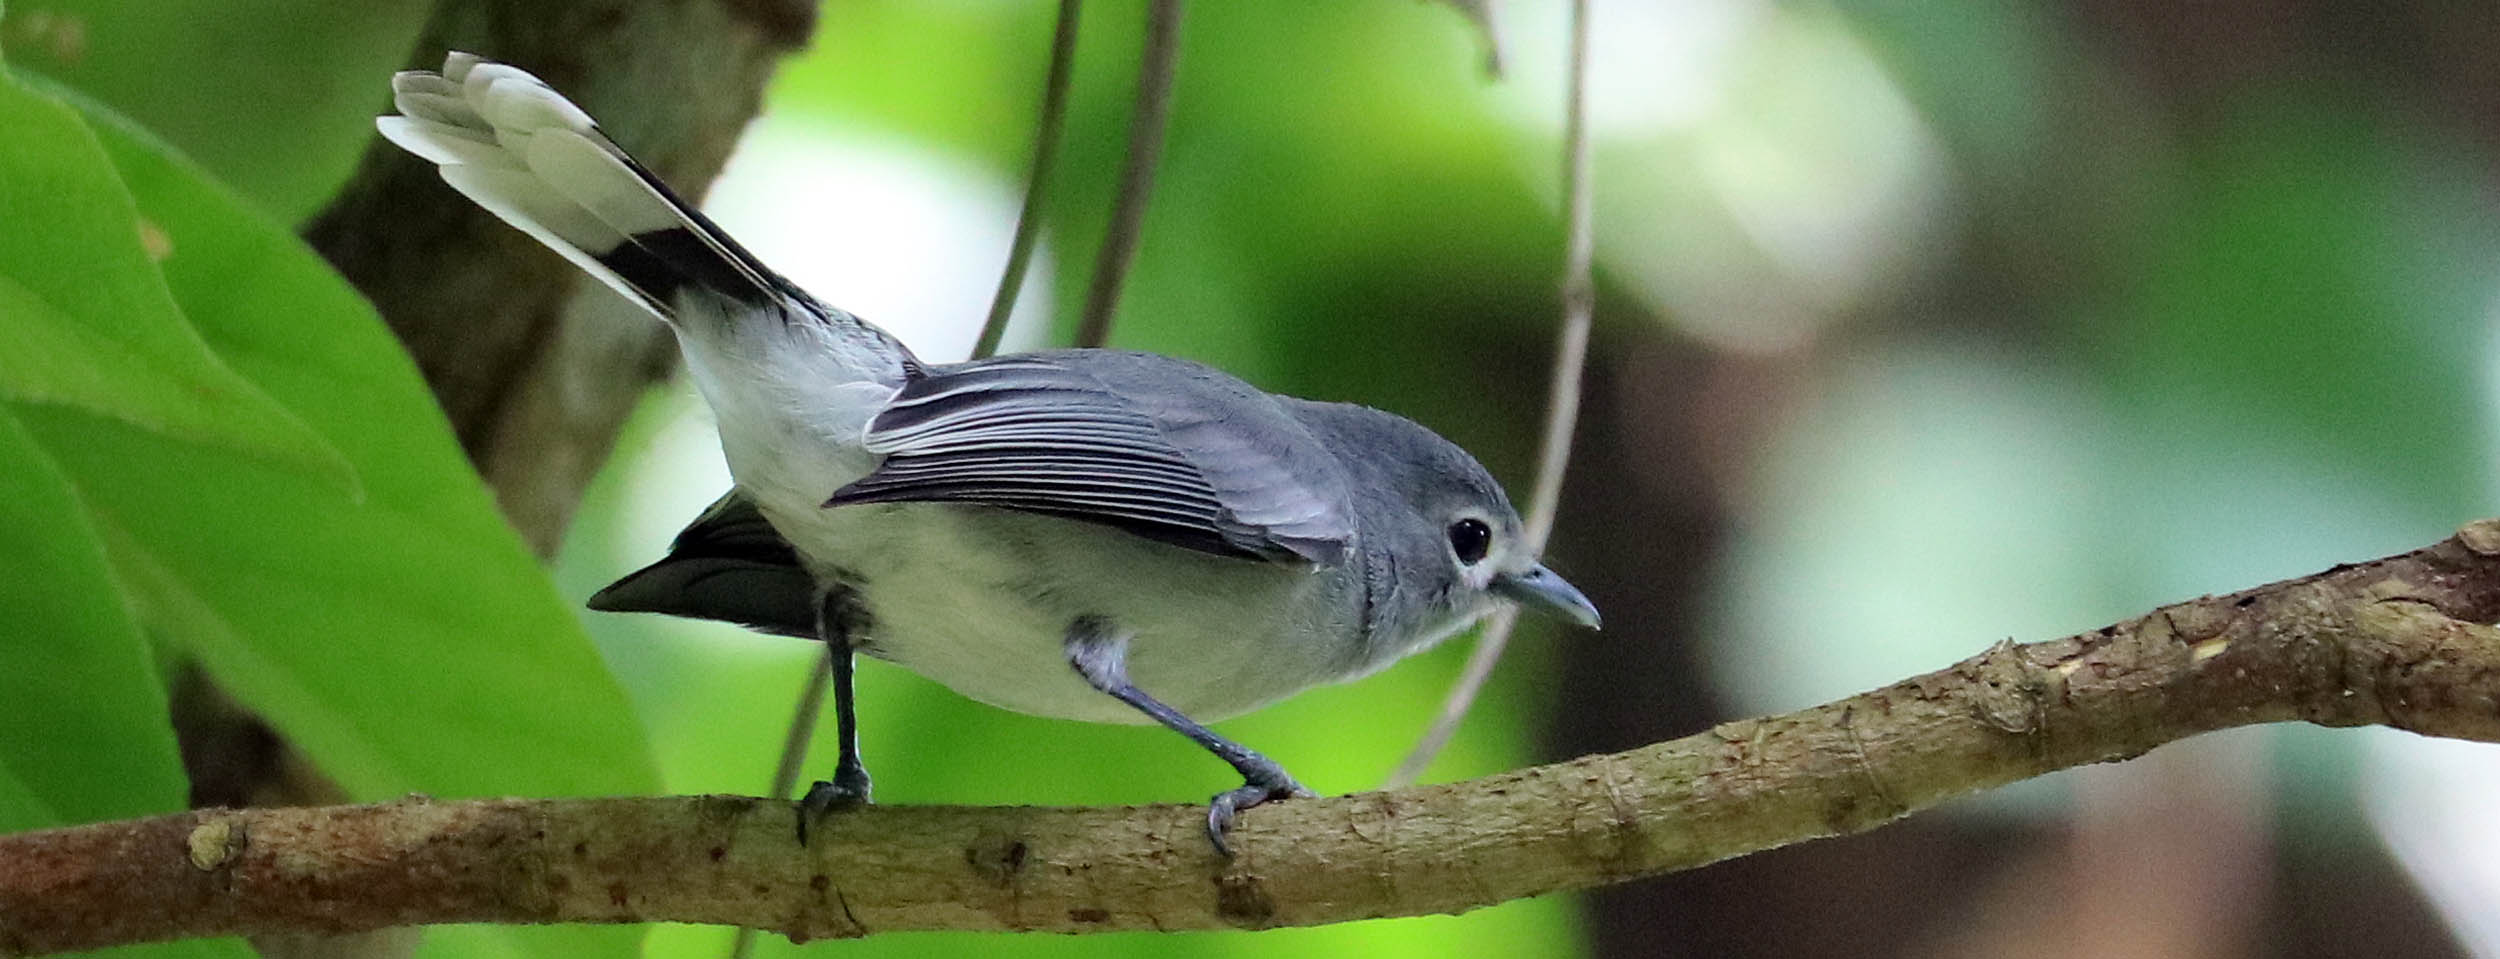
x,y
1456,543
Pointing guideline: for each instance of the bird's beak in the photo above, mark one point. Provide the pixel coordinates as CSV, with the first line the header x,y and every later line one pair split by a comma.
x,y
1538,589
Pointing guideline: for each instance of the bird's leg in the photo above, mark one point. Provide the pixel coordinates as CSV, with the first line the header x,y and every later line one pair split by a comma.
x,y
838,619
1101,656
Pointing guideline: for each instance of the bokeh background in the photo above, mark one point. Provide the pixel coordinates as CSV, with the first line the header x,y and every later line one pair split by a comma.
x,y
1922,325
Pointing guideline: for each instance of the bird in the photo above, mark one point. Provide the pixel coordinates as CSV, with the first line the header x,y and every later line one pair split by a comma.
x,y
1085,534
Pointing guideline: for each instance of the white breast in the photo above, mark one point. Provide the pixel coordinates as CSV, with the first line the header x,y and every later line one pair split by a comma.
x,y
981,600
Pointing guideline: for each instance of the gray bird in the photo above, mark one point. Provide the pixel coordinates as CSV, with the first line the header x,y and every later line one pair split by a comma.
x,y
1085,534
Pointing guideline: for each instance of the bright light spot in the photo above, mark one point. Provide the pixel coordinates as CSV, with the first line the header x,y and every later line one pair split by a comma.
x,y
1934,499
1653,64
2430,800
1824,166
670,482
1758,175
908,238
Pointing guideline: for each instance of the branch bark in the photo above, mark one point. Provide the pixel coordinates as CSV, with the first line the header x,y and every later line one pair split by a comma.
x,y
2401,641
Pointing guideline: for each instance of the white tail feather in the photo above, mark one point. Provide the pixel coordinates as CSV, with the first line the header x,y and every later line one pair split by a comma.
x,y
590,174
525,153
792,381
518,198
443,145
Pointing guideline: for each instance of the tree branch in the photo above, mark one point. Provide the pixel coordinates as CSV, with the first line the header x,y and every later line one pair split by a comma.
x,y
2400,641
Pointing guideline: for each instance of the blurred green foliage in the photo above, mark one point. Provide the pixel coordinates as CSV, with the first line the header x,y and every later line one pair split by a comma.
x,y
2280,313
270,96
2165,350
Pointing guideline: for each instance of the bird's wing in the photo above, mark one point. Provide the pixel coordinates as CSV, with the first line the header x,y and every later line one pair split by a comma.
x,y
1161,448
729,565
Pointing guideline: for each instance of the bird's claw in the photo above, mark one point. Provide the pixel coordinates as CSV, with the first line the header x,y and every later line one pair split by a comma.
x,y
848,788
1231,803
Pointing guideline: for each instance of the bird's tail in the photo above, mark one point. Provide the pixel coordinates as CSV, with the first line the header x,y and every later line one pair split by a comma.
x,y
528,155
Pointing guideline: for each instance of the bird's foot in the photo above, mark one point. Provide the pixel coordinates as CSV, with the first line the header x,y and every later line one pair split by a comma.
x,y
847,789
1262,781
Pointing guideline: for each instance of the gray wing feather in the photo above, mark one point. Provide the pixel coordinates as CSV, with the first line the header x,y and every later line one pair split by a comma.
x,y
1160,447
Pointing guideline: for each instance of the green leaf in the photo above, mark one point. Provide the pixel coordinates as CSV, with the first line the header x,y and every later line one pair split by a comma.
x,y
76,659
403,637
93,740
20,808
104,747
1479,16
523,942
276,96
85,319
230,948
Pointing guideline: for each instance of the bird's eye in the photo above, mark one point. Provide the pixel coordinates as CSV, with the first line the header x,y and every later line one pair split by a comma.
x,y
1470,538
